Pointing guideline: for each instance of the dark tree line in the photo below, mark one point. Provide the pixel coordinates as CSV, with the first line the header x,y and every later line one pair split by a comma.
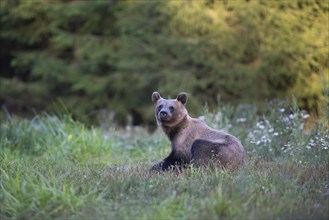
x,y
111,55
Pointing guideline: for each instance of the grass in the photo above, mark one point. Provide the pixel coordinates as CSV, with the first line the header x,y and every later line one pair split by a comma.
x,y
57,168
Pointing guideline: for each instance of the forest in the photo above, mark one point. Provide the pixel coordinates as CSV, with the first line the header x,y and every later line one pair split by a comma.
x,y
103,59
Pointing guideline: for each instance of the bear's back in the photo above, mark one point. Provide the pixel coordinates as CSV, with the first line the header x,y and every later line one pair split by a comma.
x,y
203,131
197,129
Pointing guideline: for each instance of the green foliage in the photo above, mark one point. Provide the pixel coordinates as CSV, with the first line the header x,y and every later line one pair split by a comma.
x,y
55,168
97,55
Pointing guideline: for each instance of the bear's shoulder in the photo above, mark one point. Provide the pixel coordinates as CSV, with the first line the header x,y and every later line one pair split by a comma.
x,y
198,122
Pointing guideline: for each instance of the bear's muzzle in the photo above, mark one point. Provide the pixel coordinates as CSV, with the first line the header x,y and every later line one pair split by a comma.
x,y
163,116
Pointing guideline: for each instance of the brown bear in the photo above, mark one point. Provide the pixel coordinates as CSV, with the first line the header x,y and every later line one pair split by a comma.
x,y
192,140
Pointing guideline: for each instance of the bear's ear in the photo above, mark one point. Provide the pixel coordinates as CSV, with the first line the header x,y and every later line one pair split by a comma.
x,y
182,97
155,97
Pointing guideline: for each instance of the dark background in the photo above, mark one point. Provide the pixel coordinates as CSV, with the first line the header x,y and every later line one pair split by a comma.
x,y
97,59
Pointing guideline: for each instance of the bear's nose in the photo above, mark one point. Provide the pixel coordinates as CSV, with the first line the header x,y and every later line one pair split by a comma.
x,y
163,114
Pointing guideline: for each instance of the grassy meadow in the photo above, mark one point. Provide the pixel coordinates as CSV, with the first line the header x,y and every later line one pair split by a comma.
x,y
53,167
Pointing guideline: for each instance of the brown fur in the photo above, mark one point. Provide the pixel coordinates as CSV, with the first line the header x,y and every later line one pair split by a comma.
x,y
192,140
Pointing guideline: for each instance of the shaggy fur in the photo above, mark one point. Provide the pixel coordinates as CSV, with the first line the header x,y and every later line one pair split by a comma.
x,y
192,140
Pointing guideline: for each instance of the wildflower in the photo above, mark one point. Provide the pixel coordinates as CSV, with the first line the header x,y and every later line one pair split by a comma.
x,y
275,134
261,126
241,120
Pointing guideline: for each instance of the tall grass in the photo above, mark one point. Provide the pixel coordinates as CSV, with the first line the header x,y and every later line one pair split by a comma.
x,y
55,167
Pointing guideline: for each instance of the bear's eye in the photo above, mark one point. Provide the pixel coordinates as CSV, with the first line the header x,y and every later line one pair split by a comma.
x,y
171,109
159,107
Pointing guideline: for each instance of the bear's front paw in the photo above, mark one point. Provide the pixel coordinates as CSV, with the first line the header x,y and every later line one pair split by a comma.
x,y
156,167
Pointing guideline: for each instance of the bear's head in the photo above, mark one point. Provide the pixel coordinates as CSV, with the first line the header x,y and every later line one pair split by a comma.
x,y
170,112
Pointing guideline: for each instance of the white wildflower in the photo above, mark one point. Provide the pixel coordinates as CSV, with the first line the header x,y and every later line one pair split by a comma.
x,y
292,116
241,120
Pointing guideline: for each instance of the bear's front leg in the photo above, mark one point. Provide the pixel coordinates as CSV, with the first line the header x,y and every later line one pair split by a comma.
x,y
165,164
173,161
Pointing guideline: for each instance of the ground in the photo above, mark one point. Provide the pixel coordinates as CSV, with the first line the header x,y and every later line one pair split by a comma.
x,y
55,167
